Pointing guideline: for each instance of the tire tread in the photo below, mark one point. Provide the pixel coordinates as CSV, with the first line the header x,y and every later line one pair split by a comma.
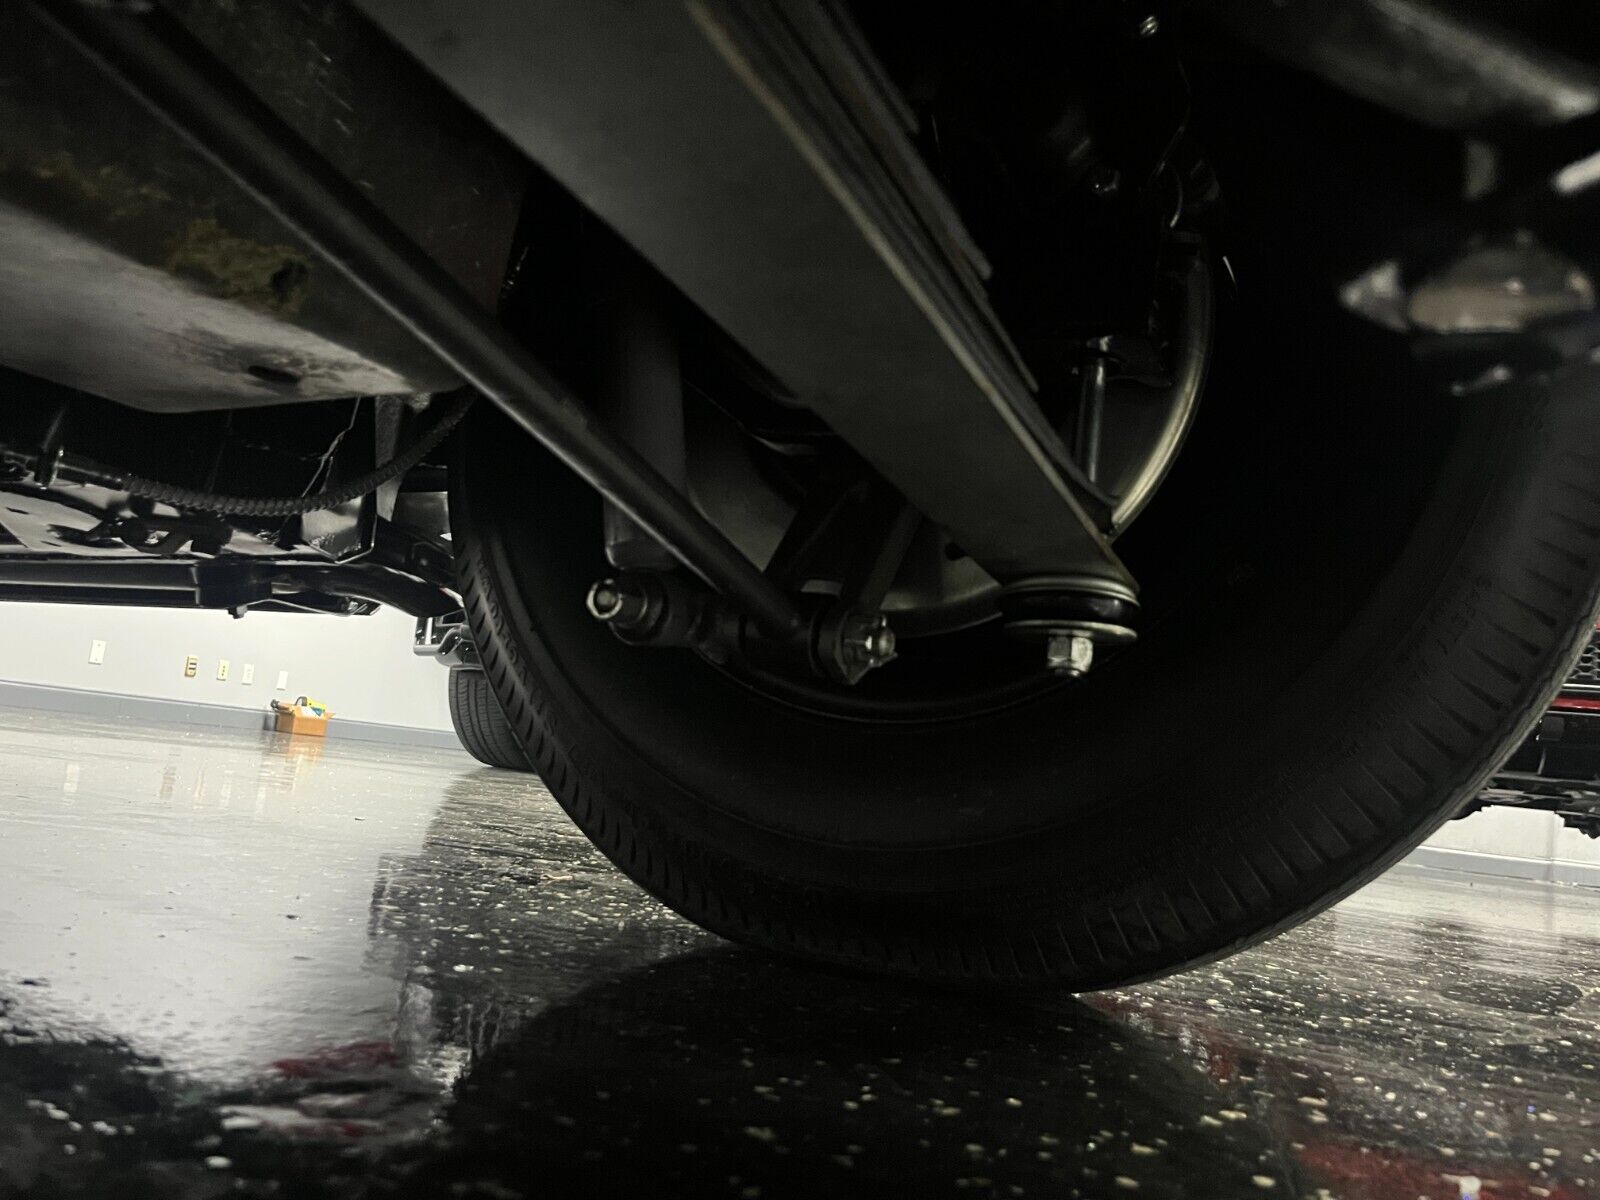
x,y
485,731
1219,905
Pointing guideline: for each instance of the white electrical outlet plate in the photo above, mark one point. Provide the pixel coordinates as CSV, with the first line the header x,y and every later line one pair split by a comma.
x,y
97,651
222,669
247,673
191,666
283,681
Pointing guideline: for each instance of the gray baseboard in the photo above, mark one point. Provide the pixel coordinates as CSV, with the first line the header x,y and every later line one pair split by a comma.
x,y
214,716
1506,866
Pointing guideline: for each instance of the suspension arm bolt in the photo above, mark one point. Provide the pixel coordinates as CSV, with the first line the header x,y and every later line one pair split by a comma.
x,y
1070,654
615,604
868,641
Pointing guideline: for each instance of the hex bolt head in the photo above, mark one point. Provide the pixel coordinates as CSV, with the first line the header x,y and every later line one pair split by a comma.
x,y
869,641
619,603
604,601
880,644
1069,654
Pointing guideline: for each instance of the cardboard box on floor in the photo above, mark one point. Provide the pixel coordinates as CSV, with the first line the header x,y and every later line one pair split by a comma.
x,y
305,716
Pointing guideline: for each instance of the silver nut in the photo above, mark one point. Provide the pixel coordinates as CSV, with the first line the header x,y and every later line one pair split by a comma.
x,y
870,641
1070,654
880,644
1150,26
604,601
619,603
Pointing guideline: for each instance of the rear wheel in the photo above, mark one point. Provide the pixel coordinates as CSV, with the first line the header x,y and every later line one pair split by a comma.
x,y
1357,590
1322,686
480,724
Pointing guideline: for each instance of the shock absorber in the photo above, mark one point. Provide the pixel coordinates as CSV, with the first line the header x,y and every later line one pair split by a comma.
x,y
639,390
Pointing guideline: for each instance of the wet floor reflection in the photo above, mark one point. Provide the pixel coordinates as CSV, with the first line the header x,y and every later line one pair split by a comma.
x,y
467,1001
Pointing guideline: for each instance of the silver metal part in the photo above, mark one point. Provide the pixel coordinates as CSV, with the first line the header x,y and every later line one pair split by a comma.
x,y
1070,654
1577,176
867,640
1091,410
1379,295
1066,612
1500,287
609,601
446,640
1142,428
1150,26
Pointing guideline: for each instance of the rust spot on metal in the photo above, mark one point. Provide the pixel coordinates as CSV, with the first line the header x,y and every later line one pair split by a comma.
x,y
273,277
108,191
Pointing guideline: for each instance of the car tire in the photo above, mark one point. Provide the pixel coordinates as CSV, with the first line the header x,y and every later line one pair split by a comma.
x,y
480,724
1300,717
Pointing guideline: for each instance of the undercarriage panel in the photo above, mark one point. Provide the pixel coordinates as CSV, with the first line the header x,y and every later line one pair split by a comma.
x,y
131,268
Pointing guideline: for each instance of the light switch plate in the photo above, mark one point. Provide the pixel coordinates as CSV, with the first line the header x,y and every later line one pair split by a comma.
x,y
97,651
222,669
283,681
191,666
247,673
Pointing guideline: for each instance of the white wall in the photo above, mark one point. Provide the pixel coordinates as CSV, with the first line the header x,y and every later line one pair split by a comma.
x,y
1516,833
362,667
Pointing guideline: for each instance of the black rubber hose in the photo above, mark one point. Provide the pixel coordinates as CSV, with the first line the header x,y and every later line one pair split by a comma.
x,y
286,506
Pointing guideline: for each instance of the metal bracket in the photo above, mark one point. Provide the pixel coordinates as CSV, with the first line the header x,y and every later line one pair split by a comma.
x,y
447,640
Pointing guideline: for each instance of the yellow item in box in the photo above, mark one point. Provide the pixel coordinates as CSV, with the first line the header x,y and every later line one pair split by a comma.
x,y
305,716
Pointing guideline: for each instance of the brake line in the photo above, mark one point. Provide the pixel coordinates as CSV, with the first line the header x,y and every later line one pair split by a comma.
x,y
285,506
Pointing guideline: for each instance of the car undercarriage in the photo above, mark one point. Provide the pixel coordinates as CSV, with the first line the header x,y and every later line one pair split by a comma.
x,y
1091,393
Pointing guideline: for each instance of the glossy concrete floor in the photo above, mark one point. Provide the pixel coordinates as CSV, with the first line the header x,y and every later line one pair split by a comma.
x,y
239,965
